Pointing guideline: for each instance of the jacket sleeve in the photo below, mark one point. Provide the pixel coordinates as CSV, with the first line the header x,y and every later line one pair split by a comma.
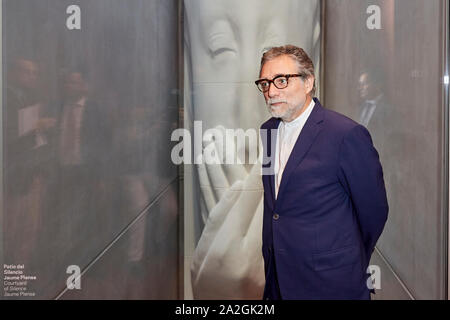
x,y
361,175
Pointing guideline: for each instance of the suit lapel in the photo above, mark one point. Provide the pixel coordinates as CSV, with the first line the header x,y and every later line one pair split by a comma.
x,y
270,153
302,145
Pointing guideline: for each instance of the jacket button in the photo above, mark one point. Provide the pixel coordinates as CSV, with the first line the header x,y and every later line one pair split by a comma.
x,y
275,216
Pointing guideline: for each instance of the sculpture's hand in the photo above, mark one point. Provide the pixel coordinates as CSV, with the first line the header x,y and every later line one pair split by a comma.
x,y
227,262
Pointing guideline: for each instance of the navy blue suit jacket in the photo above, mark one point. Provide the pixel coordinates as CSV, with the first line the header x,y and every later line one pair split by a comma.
x,y
330,210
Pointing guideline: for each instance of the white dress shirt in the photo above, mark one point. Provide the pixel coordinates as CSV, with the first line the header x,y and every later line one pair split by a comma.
x,y
287,136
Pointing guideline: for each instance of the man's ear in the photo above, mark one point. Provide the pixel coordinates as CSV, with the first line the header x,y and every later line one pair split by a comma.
x,y
309,84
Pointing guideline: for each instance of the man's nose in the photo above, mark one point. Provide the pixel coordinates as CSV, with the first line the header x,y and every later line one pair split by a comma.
x,y
273,91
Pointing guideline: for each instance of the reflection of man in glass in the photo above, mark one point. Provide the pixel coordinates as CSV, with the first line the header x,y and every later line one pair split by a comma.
x,y
25,151
370,94
373,108
223,41
83,142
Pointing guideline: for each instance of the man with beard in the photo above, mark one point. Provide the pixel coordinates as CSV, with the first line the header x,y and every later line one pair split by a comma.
x,y
325,203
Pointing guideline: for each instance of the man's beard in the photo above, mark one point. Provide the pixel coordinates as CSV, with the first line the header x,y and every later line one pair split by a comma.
x,y
276,111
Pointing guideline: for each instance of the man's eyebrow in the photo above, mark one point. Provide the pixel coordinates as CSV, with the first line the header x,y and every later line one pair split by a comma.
x,y
277,75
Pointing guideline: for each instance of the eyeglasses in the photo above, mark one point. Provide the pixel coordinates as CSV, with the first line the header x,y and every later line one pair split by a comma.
x,y
279,82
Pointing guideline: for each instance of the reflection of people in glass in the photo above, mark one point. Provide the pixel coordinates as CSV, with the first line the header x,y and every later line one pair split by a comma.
x,y
83,142
25,151
374,111
223,40
371,95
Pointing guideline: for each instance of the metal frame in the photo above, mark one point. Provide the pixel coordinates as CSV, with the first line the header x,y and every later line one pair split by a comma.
x,y
1,135
446,176
180,101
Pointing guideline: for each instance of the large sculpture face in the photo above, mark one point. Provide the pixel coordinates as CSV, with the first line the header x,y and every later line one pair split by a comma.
x,y
226,40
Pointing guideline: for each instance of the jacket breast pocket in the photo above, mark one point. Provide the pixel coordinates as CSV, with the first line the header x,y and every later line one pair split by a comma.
x,y
336,258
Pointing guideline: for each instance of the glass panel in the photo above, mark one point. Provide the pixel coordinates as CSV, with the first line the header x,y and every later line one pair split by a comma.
x,y
89,93
391,80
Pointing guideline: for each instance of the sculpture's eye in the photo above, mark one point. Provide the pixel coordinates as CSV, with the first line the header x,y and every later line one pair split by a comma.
x,y
221,40
219,51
